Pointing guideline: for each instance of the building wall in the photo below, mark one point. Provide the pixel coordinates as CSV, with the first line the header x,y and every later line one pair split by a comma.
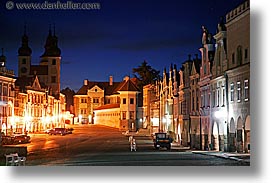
x,y
108,117
7,102
128,111
238,25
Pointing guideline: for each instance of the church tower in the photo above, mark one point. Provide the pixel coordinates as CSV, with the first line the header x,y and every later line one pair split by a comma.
x,y
52,58
24,56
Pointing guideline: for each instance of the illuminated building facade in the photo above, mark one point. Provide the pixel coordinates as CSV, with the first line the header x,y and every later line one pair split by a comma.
x,y
38,103
206,104
7,79
110,103
238,75
207,55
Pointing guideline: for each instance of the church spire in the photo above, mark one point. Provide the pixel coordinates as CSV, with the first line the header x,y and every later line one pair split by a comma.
x,y
51,47
24,50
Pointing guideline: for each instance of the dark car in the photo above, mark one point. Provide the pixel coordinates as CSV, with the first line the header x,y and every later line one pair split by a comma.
x,y
162,140
21,139
15,139
57,131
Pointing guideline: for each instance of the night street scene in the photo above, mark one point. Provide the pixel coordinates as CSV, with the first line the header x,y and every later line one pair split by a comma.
x,y
125,83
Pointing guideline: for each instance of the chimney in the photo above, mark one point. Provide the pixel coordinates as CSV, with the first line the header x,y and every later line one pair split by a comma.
x,y
126,78
85,82
110,80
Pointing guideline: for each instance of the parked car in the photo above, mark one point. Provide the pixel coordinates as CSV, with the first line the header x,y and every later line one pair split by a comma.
x,y
15,139
57,131
162,140
69,130
48,130
21,139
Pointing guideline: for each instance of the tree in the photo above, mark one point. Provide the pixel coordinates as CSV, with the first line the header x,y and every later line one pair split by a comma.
x,y
69,94
146,74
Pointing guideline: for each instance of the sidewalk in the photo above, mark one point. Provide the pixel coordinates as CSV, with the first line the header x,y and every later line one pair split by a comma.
x,y
242,157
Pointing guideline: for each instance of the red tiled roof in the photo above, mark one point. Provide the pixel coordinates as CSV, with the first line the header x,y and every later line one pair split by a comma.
x,y
109,89
108,106
128,86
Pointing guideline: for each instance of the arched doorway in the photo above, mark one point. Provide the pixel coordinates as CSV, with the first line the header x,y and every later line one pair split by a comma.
x,y
240,135
232,136
247,134
215,137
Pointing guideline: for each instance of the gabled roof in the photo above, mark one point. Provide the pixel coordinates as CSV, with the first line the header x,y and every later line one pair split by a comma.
x,y
23,82
129,85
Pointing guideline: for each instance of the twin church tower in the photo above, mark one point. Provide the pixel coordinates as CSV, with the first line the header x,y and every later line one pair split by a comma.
x,y
48,70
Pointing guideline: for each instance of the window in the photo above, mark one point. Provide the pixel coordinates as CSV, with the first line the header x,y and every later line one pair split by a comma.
x,y
96,100
124,115
198,102
53,79
218,97
213,98
83,111
96,90
54,62
131,100
223,96
246,90
83,100
232,92
239,55
204,69
124,100
238,91
233,58
24,61
132,115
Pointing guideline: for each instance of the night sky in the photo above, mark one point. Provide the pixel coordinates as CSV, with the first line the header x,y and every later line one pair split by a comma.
x,y
111,41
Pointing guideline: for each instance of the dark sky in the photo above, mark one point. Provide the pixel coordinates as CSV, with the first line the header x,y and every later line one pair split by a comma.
x,y
111,41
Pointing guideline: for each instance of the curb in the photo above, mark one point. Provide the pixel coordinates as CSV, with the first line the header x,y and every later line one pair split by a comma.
x,y
221,156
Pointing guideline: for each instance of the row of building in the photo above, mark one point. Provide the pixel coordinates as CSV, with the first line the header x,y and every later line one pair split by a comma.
x,y
32,102
204,104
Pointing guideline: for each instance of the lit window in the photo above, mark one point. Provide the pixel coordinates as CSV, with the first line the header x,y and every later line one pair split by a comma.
x,y
238,91
246,90
232,92
96,100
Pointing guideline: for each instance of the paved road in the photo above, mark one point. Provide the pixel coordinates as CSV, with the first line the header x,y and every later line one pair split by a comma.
x,y
93,145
